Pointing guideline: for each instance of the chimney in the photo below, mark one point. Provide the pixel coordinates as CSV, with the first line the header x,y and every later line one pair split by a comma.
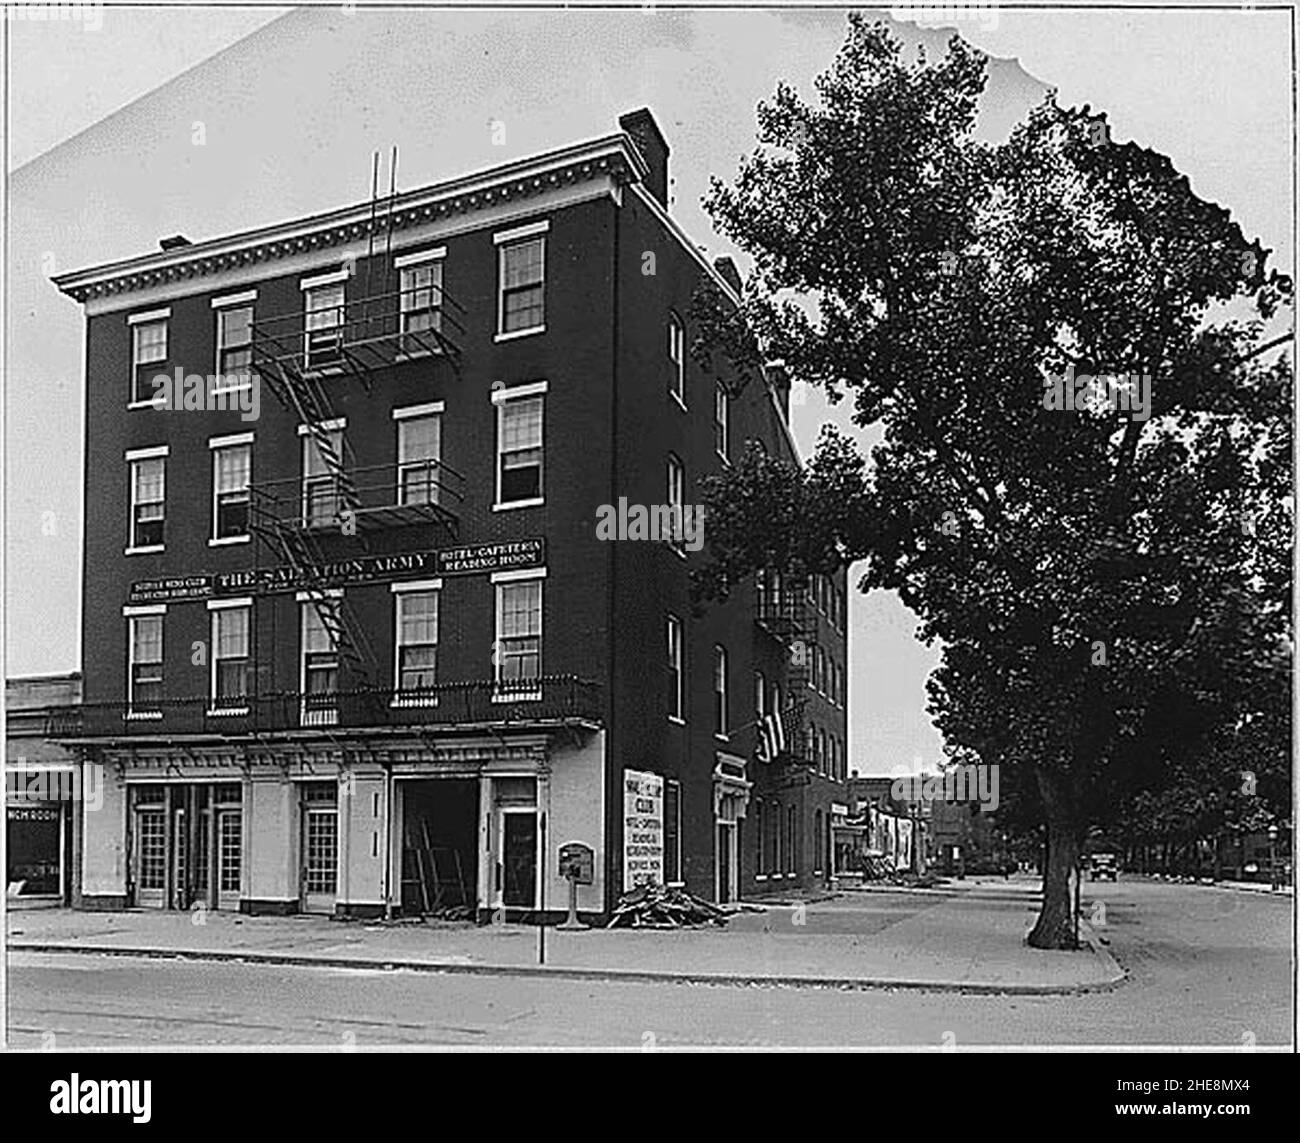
x,y
175,242
779,376
645,133
727,268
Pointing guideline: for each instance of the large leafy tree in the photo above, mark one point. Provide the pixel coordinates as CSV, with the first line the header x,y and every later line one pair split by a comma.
x,y
1108,590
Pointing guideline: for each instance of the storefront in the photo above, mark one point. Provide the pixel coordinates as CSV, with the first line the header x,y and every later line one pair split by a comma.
x,y
37,839
43,793
377,828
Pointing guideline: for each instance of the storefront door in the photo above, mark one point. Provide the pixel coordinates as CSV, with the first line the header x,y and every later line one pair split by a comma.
x,y
320,848
519,858
150,857
230,845
726,850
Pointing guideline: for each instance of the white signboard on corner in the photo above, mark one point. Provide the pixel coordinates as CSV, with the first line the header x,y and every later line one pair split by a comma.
x,y
643,828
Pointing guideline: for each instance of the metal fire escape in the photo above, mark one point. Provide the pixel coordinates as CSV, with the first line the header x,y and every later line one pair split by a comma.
x,y
785,613
300,356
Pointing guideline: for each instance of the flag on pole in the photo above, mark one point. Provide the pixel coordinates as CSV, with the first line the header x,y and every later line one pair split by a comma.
x,y
776,729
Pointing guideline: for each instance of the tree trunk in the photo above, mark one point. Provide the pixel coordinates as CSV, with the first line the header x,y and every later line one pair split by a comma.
x,y
1054,928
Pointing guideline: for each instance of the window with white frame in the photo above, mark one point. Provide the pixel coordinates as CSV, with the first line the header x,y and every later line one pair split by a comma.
x,y
672,832
320,486
523,285
519,638
231,655
676,492
148,357
677,357
320,661
419,448
231,475
148,494
421,306
234,345
721,415
720,691
416,669
324,307
145,664
675,673
519,450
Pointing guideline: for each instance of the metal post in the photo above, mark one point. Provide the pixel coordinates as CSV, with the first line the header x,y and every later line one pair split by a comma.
x,y
541,921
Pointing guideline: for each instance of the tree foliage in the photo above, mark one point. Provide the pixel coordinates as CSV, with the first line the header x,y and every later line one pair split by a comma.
x,y
1111,592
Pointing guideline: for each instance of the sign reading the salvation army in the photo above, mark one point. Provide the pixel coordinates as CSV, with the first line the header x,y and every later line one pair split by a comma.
x,y
643,828
477,558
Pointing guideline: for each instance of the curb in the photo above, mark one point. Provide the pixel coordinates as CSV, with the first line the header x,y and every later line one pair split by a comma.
x,y
1118,973
627,976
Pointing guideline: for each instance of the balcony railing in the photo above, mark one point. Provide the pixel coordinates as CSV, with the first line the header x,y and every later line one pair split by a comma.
x,y
548,700
375,496
784,616
361,334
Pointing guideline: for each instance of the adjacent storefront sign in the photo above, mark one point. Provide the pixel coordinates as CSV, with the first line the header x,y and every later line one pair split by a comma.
x,y
471,560
643,828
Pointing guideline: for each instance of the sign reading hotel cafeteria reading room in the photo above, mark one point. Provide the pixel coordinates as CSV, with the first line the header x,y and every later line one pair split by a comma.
x,y
643,828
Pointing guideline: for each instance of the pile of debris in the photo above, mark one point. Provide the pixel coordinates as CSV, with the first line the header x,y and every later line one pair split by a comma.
x,y
657,907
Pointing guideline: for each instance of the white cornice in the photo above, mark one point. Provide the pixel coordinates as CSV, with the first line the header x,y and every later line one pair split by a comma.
x,y
613,158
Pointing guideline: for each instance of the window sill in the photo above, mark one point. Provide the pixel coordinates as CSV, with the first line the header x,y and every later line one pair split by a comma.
x,y
226,541
228,389
227,711
515,334
680,553
143,715
148,550
680,403
760,876
676,720
722,456
721,737
152,403
522,696
511,505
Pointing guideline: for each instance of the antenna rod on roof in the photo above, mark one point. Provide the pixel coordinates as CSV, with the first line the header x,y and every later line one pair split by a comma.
x,y
370,257
392,196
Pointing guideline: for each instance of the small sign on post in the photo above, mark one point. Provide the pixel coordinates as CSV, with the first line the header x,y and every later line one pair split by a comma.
x,y
578,865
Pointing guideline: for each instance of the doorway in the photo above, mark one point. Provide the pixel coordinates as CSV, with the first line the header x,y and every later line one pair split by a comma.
x,y
726,861
440,847
518,849
320,846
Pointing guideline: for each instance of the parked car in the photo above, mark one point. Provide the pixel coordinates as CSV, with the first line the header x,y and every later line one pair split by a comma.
x,y
1103,865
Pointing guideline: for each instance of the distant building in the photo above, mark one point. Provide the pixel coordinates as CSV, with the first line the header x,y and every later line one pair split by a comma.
x,y
43,808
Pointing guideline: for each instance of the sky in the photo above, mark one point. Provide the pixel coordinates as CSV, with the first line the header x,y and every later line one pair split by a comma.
x,y
204,120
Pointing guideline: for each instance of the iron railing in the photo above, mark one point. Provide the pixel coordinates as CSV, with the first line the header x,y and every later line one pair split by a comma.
x,y
546,700
377,495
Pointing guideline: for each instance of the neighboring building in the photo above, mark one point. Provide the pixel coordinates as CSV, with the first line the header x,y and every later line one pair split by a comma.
x,y
43,817
880,826
355,638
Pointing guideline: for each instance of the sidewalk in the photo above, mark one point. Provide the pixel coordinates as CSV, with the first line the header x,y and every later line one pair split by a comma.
x,y
971,942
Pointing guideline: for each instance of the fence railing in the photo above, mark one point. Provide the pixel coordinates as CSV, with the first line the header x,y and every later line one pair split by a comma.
x,y
547,699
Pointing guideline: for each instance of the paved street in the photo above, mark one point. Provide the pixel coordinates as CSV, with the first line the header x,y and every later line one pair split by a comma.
x,y
1207,967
